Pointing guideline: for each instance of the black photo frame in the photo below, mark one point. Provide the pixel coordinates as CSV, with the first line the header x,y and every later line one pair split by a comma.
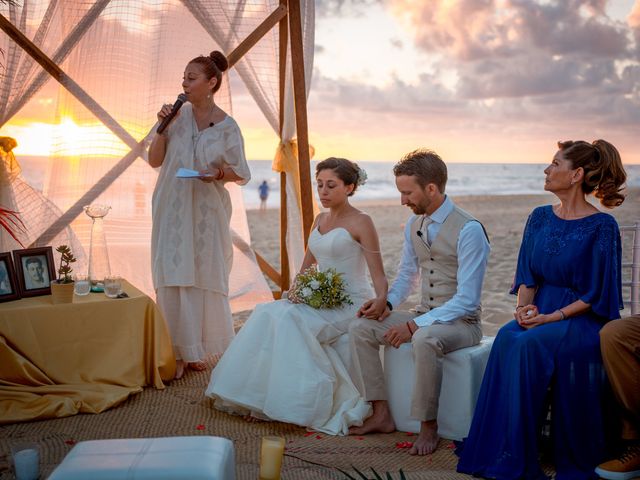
x,y
8,285
35,271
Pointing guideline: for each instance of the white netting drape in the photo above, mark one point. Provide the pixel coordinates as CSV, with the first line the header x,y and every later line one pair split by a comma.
x,y
125,59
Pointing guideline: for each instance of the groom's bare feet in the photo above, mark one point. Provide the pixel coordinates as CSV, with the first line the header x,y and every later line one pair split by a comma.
x,y
380,421
427,440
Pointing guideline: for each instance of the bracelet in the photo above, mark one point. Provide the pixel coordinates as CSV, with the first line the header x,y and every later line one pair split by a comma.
x,y
519,306
409,328
389,306
221,175
562,315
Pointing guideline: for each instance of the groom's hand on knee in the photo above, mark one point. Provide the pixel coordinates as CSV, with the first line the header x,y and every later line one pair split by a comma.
x,y
397,335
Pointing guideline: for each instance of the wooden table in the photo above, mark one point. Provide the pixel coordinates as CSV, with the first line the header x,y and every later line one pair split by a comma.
x,y
87,356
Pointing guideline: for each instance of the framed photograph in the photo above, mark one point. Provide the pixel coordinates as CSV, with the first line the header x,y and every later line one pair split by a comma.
x,y
8,285
35,271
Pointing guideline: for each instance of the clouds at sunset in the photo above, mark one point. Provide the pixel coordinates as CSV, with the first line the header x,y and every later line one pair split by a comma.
x,y
560,68
513,76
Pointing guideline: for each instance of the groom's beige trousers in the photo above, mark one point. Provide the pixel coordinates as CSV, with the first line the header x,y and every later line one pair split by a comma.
x,y
430,344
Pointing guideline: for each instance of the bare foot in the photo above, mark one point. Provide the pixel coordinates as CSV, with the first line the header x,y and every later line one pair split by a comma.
x,y
379,421
179,370
197,366
427,440
251,419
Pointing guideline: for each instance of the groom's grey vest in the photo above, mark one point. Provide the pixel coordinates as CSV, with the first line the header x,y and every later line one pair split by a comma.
x,y
439,262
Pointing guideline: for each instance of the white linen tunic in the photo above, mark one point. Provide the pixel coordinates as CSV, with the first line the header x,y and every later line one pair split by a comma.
x,y
191,242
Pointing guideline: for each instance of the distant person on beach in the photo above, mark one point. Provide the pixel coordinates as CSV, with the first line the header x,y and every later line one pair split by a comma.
x,y
191,246
568,283
620,346
446,249
283,365
264,194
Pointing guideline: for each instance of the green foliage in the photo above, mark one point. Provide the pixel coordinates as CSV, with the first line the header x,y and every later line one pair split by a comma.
x,y
376,475
319,289
66,259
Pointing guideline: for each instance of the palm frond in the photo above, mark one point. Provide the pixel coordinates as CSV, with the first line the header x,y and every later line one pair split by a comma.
x,y
11,222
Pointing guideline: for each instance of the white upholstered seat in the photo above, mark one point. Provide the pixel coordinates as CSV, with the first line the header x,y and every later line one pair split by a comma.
x,y
175,458
462,372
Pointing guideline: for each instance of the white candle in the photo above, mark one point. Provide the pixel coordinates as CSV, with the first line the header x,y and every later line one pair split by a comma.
x,y
271,458
27,464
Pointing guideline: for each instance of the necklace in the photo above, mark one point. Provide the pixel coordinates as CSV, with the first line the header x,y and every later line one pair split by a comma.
x,y
196,133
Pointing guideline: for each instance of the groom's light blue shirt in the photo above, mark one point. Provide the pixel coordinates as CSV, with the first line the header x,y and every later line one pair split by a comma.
x,y
473,252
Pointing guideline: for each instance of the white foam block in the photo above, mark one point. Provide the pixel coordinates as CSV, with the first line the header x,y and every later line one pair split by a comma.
x,y
176,458
462,372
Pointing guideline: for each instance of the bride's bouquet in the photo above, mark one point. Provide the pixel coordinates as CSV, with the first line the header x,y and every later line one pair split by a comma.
x,y
319,289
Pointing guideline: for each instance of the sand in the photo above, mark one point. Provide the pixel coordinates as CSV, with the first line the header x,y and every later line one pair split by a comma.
x,y
504,217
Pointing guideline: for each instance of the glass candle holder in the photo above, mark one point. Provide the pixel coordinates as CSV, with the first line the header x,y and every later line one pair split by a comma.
x,y
26,460
271,453
82,285
112,286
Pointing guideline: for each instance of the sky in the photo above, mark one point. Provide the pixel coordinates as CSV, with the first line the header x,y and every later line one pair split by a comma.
x,y
494,81
476,80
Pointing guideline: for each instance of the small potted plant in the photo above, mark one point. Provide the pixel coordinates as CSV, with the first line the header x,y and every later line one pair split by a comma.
x,y
62,288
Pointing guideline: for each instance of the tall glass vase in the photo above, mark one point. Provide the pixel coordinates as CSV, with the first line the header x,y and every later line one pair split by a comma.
x,y
98,253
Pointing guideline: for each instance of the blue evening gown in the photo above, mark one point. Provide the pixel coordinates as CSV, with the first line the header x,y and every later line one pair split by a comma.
x,y
567,260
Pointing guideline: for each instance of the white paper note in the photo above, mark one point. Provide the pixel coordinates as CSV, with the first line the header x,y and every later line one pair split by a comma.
x,y
188,173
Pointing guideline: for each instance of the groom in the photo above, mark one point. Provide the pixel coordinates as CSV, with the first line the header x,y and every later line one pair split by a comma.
x,y
447,249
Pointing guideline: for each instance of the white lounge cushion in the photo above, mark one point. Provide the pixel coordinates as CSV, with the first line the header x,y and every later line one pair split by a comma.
x,y
176,458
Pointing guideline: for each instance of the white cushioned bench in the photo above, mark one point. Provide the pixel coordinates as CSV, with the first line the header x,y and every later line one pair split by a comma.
x,y
175,458
462,372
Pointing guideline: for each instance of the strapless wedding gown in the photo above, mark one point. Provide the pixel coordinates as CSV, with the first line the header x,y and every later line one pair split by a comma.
x,y
281,365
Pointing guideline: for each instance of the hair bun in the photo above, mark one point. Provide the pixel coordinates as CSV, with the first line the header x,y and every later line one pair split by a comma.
x,y
220,60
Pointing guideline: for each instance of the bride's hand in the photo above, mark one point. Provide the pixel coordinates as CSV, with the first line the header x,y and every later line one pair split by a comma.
x,y
374,309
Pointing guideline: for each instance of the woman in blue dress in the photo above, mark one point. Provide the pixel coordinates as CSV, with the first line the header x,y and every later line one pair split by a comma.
x,y
568,285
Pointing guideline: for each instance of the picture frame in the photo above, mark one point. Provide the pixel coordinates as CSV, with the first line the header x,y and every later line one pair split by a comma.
x,y
35,271
8,284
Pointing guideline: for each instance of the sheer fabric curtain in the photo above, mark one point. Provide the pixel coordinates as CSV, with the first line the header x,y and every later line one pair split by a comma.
x,y
129,58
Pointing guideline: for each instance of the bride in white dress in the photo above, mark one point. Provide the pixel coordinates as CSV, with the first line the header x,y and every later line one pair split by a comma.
x,y
281,365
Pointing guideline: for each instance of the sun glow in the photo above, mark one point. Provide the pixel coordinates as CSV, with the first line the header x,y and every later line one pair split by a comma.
x,y
67,139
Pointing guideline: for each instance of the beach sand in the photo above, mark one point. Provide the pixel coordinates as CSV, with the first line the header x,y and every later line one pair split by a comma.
x,y
503,216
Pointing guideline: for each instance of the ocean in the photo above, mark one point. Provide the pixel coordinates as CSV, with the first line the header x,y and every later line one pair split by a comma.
x,y
464,179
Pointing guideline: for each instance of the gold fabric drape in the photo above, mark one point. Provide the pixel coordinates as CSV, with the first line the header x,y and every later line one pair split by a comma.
x,y
286,160
83,357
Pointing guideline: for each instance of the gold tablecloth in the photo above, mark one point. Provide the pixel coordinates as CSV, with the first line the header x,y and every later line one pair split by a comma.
x,y
87,356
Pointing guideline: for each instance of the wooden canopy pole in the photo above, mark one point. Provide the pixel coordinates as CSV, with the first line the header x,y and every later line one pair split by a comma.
x,y
300,98
282,63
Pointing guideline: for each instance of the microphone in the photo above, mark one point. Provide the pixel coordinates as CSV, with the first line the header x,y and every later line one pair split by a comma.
x,y
419,233
176,106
